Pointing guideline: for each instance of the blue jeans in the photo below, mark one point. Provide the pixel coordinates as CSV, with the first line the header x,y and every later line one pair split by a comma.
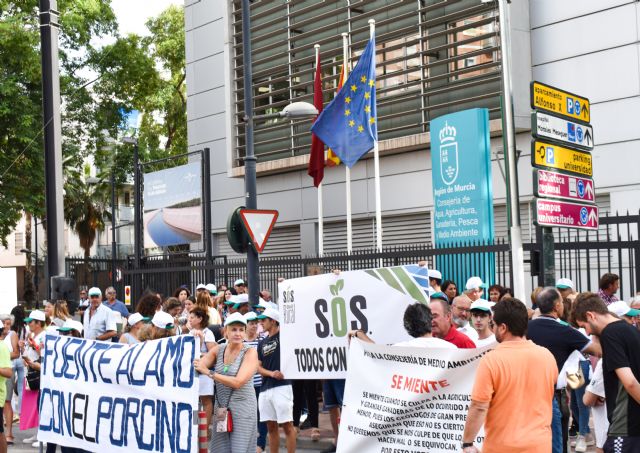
x,y
18,371
262,426
577,406
556,428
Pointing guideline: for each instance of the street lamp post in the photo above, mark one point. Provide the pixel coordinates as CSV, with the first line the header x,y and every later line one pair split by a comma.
x,y
137,213
293,110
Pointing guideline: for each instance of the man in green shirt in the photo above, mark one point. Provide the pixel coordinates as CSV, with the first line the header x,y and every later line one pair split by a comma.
x,y
5,373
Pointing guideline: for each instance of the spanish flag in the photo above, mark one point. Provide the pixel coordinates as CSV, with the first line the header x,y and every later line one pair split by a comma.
x,y
332,159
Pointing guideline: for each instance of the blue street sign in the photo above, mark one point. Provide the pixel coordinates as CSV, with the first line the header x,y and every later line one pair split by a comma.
x,y
461,176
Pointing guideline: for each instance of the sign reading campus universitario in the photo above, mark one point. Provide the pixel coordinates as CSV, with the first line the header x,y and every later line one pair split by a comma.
x,y
461,174
317,313
111,397
409,400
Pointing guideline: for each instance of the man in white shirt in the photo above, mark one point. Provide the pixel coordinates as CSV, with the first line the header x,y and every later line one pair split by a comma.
x,y
461,312
99,321
417,323
481,321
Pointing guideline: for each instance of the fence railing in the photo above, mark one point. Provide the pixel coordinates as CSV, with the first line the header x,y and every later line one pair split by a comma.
x,y
580,255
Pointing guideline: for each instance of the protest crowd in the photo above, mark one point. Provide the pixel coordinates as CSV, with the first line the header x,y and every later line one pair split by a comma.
x,y
562,375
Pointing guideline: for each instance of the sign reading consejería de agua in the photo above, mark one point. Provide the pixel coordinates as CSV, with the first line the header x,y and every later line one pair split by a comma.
x,y
461,174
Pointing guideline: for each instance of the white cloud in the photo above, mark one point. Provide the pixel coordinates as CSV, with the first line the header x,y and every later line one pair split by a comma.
x,y
132,14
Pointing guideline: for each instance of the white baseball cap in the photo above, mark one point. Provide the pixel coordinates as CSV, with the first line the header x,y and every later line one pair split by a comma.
x,y
565,283
162,320
235,318
239,282
71,324
94,292
482,304
435,274
250,316
621,308
211,288
136,318
36,315
474,283
270,313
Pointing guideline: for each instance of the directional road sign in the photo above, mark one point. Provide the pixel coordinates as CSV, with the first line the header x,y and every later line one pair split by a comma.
x,y
549,156
546,126
554,100
563,214
259,223
550,184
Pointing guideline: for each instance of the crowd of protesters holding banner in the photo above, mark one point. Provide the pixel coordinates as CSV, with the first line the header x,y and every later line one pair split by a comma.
x,y
569,355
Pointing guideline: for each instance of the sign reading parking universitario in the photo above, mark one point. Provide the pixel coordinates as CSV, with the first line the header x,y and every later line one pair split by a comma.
x,y
110,397
408,399
317,312
461,173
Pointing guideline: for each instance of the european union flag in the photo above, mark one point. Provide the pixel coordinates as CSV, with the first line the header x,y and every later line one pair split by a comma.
x,y
348,124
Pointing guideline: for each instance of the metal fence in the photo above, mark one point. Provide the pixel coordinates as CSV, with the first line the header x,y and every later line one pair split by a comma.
x,y
582,256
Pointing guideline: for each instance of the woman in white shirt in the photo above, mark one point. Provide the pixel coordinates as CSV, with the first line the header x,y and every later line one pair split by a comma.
x,y
198,322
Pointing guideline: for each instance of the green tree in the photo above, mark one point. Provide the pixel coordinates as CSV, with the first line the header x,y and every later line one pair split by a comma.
x,y
21,141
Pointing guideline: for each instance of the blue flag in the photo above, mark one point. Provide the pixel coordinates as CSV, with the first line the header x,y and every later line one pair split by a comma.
x,y
348,124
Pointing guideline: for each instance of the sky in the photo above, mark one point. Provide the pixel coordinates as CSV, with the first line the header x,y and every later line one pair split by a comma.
x,y
132,14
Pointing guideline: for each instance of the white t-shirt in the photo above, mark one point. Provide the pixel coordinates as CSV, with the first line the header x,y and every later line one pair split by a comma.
x,y
427,342
600,421
487,341
469,331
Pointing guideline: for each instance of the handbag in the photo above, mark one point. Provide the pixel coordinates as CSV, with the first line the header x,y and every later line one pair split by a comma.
x,y
223,420
575,380
33,379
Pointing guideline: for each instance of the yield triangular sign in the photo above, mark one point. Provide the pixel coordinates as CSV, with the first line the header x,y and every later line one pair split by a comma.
x,y
259,223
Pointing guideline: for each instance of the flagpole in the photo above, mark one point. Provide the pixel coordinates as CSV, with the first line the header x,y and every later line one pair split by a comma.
x,y
376,167
347,170
320,207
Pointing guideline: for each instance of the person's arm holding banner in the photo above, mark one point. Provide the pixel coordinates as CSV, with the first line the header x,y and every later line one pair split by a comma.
x,y
246,371
362,336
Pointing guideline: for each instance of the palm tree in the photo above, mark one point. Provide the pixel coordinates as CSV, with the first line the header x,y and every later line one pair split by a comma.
x,y
85,208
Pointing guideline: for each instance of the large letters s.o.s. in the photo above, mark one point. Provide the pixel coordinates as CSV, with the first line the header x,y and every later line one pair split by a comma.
x,y
339,322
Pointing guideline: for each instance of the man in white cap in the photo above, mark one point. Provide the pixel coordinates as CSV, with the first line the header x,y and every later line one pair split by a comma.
x,y
474,288
481,321
623,311
565,286
99,321
276,394
241,303
435,280
72,327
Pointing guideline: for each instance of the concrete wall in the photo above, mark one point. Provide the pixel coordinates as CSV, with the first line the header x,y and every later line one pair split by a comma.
x,y
588,47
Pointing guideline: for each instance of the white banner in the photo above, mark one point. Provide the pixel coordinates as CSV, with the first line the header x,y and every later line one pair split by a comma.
x,y
109,397
317,312
407,400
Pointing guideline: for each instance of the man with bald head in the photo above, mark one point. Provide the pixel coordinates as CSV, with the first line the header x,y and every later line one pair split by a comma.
x,y
442,325
461,314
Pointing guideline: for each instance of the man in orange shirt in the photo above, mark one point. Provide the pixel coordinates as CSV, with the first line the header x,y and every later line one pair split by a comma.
x,y
513,403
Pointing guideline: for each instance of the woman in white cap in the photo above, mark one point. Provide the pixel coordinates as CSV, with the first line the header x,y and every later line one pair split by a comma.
x,y
33,351
161,327
235,364
136,322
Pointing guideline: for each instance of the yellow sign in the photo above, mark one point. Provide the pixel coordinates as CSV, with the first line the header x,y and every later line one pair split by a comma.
x,y
552,99
545,155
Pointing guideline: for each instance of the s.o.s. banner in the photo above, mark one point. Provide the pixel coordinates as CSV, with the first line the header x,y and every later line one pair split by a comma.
x,y
407,399
317,312
110,397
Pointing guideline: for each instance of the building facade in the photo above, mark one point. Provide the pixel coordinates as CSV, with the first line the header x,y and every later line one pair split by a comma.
x,y
433,57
